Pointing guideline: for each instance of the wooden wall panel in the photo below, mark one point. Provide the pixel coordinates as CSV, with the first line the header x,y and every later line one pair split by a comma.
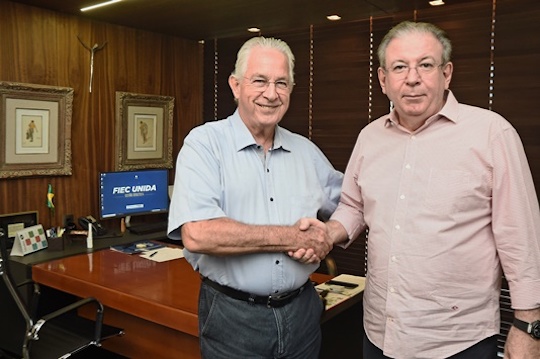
x,y
41,47
341,88
517,74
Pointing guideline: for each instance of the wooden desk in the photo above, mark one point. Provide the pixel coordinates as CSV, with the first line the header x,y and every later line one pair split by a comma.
x,y
155,303
21,267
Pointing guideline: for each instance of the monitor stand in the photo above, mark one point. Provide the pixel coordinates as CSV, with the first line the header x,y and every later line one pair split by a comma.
x,y
124,223
145,228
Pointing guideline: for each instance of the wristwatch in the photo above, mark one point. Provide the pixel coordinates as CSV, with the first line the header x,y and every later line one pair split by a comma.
x,y
533,329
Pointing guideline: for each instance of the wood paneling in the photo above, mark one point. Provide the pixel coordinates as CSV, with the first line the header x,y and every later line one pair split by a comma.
x,y
517,74
41,47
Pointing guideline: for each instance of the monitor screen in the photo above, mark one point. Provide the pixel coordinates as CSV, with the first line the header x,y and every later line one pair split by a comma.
x,y
133,192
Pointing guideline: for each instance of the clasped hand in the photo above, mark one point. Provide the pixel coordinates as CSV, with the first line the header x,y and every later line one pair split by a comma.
x,y
314,242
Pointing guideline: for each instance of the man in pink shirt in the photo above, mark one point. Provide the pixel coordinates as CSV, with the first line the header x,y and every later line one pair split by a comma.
x,y
448,197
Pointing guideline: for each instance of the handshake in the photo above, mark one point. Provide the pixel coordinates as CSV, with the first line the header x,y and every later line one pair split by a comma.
x,y
313,241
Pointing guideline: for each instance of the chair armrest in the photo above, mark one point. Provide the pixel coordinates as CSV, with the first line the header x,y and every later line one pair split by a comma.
x,y
99,316
34,299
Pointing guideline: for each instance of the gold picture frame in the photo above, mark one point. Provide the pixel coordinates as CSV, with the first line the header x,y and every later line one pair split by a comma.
x,y
36,130
144,125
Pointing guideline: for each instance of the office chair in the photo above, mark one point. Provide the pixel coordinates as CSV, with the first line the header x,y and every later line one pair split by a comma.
x,y
55,335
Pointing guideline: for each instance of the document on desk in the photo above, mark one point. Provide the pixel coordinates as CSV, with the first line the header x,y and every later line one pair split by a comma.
x,y
341,288
163,254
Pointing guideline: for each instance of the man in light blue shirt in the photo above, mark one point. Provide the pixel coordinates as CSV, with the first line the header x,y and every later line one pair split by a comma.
x,y
242,186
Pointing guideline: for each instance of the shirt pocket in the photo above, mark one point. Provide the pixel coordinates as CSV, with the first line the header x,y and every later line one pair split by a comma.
x,y
446,190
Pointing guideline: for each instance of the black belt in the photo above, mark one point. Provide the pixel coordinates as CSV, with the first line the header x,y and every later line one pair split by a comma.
x,y
269,301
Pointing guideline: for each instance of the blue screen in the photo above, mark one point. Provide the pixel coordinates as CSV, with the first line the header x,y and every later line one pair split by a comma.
x,y
133,192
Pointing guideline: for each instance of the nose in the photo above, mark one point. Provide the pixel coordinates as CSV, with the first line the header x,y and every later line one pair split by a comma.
x,y
270,91
413,76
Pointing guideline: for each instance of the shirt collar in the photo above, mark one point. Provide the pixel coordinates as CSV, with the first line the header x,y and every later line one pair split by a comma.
x,y
244,138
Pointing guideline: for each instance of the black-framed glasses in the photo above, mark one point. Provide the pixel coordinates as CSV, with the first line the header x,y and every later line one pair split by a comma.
x,y
261,84
401,70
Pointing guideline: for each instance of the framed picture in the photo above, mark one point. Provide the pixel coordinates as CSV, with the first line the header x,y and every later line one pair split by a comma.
x,y
144,125
35,129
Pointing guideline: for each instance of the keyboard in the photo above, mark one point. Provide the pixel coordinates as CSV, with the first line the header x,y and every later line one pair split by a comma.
x,y
150,227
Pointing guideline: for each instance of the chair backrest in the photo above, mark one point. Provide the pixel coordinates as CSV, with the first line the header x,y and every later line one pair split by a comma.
x,y
14,314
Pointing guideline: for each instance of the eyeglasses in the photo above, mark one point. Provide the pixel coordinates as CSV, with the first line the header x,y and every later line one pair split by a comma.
x,y
261,84
401,70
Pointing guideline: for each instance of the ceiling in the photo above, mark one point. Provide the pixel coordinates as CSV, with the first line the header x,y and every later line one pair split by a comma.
x,y
208,19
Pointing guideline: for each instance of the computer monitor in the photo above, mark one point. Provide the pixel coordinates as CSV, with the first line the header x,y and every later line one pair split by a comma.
x,y
130,193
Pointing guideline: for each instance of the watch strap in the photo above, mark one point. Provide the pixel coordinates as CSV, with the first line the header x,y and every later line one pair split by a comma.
x,y
521,325
533,329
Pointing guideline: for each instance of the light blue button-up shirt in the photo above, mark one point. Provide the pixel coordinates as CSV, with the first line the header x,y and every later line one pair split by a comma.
x,y
222,172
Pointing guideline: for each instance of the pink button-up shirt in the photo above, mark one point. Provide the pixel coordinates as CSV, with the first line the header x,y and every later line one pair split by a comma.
x,y
445,205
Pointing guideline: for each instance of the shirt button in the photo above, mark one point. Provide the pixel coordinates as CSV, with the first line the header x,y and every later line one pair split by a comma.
x,y
271,199
277,262
408,166
402,196
393,258
392,290
397,226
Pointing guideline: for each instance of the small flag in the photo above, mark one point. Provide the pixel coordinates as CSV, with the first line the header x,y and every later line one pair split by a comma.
x,y
50,196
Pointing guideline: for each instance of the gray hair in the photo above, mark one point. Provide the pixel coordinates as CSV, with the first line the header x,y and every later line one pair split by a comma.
x,y
410,27
269,43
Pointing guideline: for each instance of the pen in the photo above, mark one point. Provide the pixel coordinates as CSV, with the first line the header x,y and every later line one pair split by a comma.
x,y
153,254
343,284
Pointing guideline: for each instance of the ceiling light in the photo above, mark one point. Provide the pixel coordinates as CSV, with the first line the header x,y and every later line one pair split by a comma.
x,y
99,5
333,17
436,2
254,29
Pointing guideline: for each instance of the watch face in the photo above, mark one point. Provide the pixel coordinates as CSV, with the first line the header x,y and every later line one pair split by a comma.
x,y
535,332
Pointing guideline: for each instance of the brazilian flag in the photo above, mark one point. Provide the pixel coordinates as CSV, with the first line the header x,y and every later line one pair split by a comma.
x,y
50,196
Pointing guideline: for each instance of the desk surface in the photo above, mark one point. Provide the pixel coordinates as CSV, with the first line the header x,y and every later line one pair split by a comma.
x,y
164,293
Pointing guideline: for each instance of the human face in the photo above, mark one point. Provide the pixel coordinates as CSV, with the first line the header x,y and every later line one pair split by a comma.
x,y
262,108
416,95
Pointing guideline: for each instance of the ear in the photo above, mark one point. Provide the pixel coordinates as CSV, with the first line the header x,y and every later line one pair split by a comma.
x,y
447,73
235,86
382,79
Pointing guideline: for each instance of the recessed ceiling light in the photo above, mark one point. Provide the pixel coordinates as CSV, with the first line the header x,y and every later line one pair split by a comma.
x,y
254,29
333,17
99,5
436,2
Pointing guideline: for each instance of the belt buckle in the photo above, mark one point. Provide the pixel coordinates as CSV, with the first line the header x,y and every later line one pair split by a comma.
x,y
277,299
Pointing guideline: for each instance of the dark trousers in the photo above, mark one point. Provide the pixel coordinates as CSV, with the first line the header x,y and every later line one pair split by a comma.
x,y
234,329
486,349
